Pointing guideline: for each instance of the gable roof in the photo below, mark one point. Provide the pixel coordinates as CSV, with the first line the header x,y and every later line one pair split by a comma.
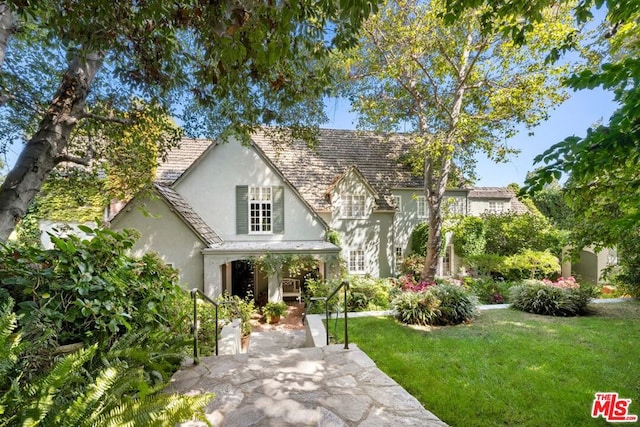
x,y
180,159
313,170
188,215
353,170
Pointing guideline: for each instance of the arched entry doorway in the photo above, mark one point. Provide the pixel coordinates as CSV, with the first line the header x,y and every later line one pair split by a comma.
x,y
242,278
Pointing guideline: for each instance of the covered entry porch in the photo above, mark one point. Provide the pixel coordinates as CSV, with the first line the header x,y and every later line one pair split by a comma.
x,y
223,262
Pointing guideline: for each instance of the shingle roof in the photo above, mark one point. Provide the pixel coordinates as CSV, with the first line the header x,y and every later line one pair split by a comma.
x,y
313,170
491,193
190,217
499,193
179,159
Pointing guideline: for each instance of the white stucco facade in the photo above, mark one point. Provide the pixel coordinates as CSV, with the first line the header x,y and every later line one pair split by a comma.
x,y
162,231
209,189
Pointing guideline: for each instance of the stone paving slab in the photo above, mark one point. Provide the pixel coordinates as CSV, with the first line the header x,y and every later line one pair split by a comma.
x,y
274,385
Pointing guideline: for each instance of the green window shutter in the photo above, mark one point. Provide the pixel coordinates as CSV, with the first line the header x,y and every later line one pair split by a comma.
x,y
242,209
278,210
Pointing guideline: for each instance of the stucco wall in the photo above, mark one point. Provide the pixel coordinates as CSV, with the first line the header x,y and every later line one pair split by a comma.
x,y
591,264
406,218
372,234
164,232
210,189
479,206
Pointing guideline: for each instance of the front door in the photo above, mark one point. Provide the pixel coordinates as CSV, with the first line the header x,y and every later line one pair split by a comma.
x,y
242,278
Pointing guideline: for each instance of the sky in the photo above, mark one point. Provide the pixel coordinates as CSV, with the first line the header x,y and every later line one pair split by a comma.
x,y
583,109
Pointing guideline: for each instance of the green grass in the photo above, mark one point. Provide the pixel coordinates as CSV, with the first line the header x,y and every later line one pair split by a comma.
x,y
511,368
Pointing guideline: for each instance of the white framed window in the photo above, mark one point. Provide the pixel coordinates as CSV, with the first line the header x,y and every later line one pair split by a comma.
x,y
423,211
456,206
399,257
397,201
356,261
353,205
260,210
496,207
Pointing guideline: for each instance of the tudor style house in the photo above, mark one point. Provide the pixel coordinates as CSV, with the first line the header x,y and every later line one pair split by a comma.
x,y
219,205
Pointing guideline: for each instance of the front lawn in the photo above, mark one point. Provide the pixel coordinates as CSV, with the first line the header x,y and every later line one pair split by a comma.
x,y
509,367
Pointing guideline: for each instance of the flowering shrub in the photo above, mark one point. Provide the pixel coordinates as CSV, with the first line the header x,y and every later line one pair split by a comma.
x,y
412,265
496,298
409,284
568,283
435,304
561,298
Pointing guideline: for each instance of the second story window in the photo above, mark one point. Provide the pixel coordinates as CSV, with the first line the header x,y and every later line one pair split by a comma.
x,y
260,209
353,206
423,211
456,206
496,207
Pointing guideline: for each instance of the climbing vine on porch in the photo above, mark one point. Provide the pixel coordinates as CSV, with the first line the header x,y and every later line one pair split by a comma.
x,y
274,264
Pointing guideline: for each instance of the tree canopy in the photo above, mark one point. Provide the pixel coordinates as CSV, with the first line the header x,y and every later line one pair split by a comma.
x,y
603,184
75,74
457,88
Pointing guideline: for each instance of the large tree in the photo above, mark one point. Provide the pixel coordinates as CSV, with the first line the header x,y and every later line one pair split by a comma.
x,y
601,167
456,89
603,179
227,66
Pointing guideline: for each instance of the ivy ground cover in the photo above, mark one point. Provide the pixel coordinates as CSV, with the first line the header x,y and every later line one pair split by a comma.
x,y
510,367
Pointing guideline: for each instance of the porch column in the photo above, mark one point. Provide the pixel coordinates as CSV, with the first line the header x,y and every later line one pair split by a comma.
x,y
212,276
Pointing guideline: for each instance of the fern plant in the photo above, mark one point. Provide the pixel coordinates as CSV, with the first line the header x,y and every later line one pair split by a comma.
x,y
106,400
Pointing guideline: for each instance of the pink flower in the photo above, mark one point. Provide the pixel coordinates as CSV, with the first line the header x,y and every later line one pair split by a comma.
x,y
566,283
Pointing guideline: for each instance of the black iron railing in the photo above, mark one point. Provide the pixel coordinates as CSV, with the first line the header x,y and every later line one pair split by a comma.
x,y
195,293
345,286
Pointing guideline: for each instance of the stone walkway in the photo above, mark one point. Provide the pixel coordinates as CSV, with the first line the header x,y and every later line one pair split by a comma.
x,y
279,383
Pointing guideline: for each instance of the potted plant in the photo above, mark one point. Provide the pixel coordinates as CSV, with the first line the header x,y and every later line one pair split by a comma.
x,y
246,309
234,307
274,310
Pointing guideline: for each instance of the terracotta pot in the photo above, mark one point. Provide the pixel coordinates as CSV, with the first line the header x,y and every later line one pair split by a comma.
x,y
273,319
244,343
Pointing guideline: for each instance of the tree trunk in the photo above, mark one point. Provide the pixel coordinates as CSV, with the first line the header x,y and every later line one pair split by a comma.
x,y
434,191
7,27
40,155
436,176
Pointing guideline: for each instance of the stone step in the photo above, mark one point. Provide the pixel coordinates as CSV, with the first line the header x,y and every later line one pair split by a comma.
x,y
318,386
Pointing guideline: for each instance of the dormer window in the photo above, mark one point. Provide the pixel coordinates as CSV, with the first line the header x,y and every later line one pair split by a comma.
x,y
353,206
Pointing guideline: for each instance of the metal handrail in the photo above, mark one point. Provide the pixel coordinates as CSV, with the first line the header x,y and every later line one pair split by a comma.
x,y
344,285
195,292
